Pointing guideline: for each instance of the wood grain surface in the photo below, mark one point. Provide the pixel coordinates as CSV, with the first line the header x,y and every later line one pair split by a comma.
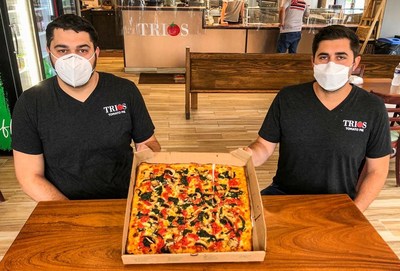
x,y
247,72
319,232
255,72
380,85
260,73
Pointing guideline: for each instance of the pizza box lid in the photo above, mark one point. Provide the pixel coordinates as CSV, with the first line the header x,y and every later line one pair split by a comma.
x,y
236,158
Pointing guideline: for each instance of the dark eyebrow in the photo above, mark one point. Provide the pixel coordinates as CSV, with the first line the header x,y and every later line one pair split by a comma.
x,y
63,46
341,53
336,54
83,45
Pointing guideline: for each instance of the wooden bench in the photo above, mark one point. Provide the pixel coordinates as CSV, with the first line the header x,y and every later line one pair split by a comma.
x,y
259,73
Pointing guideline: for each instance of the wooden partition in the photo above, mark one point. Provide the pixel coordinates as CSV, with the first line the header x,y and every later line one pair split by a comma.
x,y
379,66
241,73
254,73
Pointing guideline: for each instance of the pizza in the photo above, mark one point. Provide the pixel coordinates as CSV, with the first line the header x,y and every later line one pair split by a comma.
x,y
189,208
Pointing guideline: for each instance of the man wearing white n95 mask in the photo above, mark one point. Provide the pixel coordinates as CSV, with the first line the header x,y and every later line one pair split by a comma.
x,y
329,131
72,133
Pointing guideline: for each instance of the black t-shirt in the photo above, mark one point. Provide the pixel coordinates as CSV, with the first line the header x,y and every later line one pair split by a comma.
x,y
322,151
86,145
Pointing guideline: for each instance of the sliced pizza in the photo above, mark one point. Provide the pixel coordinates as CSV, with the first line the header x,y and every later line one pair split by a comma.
x,y
189,208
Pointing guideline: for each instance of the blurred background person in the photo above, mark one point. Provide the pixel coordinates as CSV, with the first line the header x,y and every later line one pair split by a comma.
x,y
232,12
291,15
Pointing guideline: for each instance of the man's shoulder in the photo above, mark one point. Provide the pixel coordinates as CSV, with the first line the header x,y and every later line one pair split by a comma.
x,y
117,86
42,89
109,78
42,86
366,96
297,89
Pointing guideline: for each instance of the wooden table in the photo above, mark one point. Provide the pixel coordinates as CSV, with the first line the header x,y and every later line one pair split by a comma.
x,y
380,85
315,232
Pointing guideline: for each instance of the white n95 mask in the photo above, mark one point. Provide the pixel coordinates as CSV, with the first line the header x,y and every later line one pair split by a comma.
x,y
331,76
74,69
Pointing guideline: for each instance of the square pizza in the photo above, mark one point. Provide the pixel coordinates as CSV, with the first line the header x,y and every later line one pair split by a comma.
x,y
189,208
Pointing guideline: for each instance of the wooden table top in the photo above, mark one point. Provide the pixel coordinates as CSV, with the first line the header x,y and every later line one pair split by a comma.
x,y
380,85
313,232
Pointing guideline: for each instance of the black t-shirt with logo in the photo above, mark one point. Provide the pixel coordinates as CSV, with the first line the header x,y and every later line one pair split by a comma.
x,y
322,151
86,145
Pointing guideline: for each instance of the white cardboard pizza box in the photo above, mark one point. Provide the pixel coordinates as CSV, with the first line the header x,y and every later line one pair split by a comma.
x,y
235,158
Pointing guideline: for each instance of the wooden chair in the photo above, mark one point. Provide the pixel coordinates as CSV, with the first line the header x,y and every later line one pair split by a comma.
x,y
393,107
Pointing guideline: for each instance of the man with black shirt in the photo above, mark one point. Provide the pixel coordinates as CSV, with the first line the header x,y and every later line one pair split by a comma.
x,y
328,130
72,133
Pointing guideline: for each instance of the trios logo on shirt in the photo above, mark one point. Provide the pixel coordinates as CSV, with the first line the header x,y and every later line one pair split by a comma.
x,y
355,125
117,109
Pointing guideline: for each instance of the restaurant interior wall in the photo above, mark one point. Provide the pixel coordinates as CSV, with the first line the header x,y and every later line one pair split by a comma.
x,y
391,19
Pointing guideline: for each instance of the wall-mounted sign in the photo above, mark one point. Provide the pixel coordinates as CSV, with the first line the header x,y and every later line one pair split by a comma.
x,y
161,23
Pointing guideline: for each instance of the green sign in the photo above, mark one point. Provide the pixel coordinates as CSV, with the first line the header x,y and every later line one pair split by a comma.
x,y
5,120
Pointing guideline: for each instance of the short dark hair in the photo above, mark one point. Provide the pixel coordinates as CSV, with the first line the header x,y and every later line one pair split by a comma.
x,y
335,32
71,22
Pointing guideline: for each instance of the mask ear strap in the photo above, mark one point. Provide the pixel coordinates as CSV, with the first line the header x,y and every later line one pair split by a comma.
x,y
92,56
95,62
53,55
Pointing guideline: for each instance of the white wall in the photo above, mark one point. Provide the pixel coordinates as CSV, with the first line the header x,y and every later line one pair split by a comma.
x,y
391,19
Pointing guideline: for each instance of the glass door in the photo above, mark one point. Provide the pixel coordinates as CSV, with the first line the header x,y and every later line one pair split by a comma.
x,y
44,13
25,43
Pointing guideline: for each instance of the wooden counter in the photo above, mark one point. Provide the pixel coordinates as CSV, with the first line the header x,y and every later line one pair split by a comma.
x,y
150,46
304,232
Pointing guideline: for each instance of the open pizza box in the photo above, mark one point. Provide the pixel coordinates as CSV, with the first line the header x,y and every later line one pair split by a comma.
x,y
235,158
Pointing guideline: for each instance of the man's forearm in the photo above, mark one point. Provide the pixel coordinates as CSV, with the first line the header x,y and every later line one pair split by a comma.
x,y
281,16
259,153
29,170
154,145
369,190
223,10
40,189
